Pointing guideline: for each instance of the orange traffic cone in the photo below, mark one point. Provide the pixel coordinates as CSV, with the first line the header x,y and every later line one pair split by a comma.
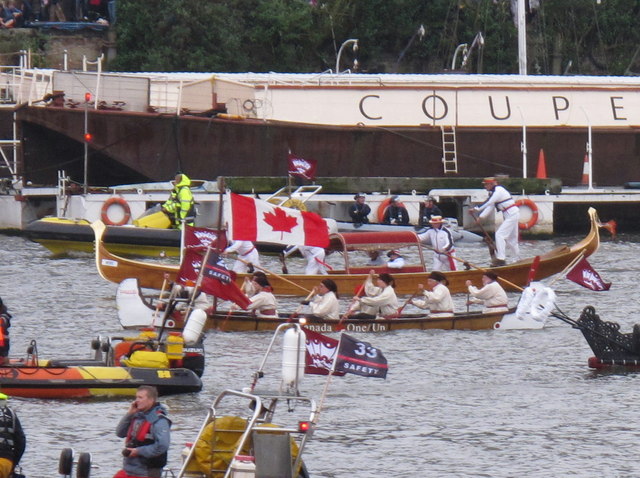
x,y
541,173
585,171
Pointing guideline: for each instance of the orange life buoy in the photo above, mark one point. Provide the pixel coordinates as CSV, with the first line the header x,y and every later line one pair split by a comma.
x,y
383,207
534,213
104,213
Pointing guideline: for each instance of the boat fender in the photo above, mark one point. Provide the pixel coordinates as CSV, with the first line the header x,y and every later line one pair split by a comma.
x,y
524,305
542,304
293,357
104,213
534,214
194,326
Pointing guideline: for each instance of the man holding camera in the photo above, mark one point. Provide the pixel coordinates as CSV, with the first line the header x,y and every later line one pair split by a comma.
x,y
146,429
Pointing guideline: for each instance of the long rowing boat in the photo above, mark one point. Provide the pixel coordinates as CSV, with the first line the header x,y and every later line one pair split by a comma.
x,y
513,276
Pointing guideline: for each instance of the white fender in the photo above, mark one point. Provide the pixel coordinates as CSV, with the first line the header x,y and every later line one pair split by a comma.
x,y
132,310
536,303
542,304
195,325
293,357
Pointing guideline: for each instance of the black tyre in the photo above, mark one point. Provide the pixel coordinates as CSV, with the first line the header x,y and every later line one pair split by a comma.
x,y
84,465
65,465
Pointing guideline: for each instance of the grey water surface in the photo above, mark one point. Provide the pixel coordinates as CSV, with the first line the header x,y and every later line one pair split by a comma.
x,y
455,403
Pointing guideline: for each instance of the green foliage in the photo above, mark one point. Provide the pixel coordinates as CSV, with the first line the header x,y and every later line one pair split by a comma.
x,y
294,36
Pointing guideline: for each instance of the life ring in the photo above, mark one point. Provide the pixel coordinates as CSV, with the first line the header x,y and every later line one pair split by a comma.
x,y
104,213
292,203
534,213
542,304
248,105
383,207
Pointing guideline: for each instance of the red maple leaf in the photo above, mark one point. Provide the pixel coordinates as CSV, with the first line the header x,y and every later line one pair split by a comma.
x,y
280,221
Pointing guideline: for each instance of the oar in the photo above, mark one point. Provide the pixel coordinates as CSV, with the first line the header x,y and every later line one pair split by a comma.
x,y
406,303
276,275
224,324
339,326
285,270
162,291
490,244
508,282
302,304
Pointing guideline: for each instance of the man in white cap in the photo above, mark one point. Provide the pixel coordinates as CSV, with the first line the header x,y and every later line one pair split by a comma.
x,y
441,242
396,261
507,232
12,439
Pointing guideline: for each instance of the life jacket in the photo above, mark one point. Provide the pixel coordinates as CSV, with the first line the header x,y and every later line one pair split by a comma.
x,y
139,434
7,429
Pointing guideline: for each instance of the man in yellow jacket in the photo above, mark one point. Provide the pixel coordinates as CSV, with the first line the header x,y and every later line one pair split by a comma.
x,y
180,205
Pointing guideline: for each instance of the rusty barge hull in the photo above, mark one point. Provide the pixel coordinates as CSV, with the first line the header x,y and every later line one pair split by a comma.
x,y
132,146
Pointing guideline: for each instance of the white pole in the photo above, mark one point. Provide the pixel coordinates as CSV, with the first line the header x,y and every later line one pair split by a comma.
x,y
523,145
589,149
522,39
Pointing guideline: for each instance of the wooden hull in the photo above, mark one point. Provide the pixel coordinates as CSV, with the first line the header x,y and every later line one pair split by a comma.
x,y
93,381
513,276
240,322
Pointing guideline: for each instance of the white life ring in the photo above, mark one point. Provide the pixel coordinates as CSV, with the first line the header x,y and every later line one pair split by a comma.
x,y
542,304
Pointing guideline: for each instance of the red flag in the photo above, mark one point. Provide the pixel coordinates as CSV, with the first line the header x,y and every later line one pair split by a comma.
x,y
533,270
360,358
320,353
217,280
583,274
302,168
202,237
260,221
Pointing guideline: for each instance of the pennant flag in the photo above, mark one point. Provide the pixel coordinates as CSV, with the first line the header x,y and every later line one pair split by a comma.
x,y
533,270
302,168
320,354
360,358
217,280
255,220
202,237
583,274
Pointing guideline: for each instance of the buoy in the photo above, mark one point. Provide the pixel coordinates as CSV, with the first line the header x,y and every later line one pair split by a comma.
x,y
293,355
194,327
585,171
541,172
126,211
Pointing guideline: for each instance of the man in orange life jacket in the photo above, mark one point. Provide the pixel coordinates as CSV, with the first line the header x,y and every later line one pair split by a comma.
x,y
5,323
146,428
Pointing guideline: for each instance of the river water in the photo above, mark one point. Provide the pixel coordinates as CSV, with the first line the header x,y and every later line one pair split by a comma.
x,y
455,403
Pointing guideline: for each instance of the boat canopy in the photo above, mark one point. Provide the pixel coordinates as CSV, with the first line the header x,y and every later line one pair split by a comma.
x,y
370,241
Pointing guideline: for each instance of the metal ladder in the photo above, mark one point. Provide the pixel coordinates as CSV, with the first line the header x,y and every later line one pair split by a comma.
x,y
449,152
283,196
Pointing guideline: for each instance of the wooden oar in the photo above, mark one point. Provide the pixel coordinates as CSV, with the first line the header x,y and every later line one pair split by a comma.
x,y
508,282
339,326
302,304
162,291
285,270
406,303
490,244
276,275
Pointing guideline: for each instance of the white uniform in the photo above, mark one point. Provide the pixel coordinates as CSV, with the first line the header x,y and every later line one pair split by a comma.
x,y
326,306
397,263
441,241
263,304
315,260
247,252
507,233
379,302
438,301
492,296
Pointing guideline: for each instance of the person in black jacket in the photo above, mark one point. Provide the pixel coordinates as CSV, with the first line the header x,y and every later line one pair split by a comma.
x,y
12,439
395,213
359,211
428,208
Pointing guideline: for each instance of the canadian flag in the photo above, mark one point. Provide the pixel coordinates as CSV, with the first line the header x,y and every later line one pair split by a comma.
x,y
260,221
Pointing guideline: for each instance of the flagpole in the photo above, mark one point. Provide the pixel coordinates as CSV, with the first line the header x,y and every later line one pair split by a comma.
x,y
571,265
221,192
328,382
